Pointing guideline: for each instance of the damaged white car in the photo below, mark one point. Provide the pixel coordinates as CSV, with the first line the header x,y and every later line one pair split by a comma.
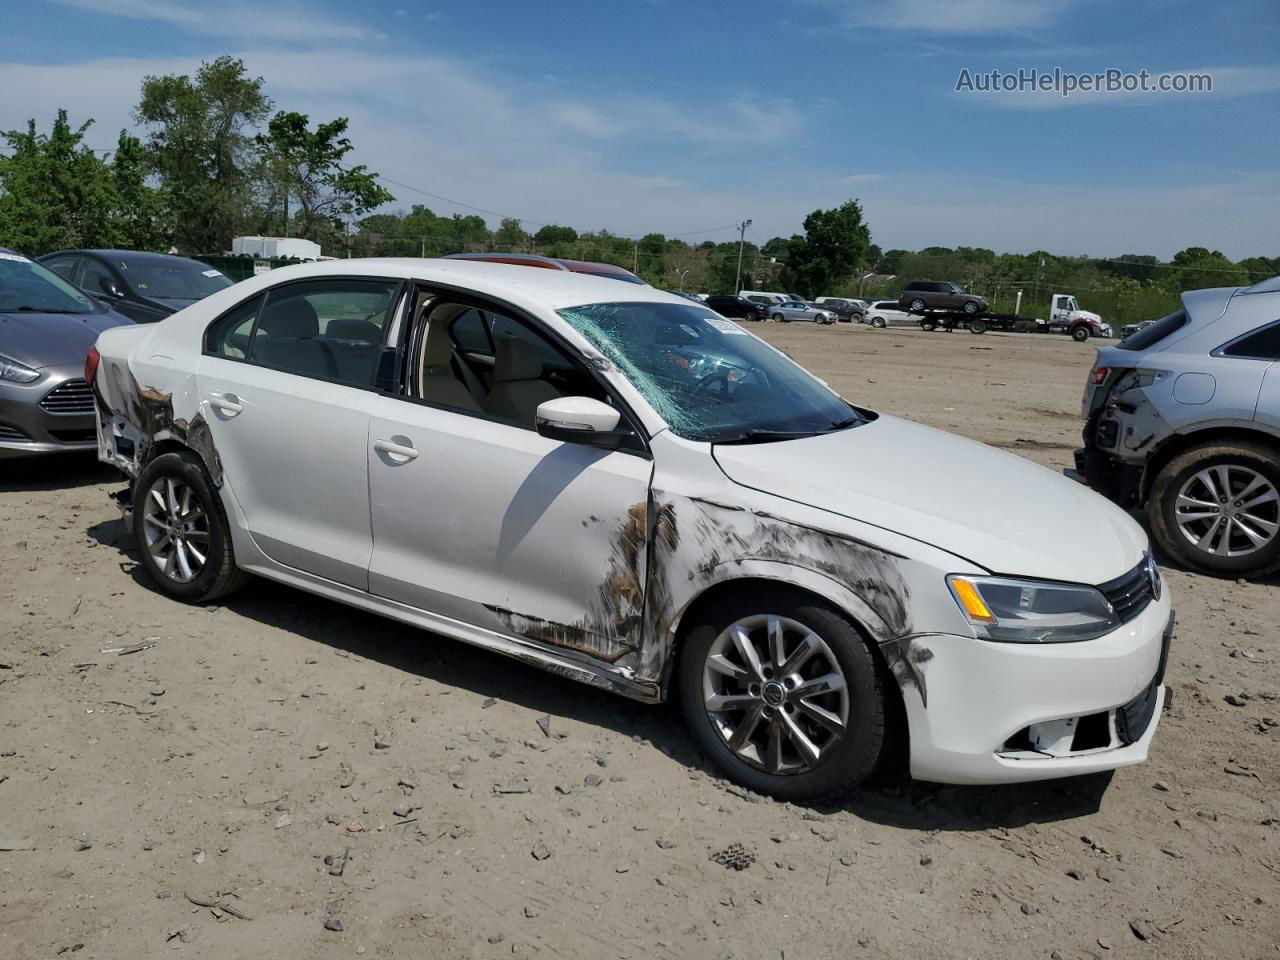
x,y
624,488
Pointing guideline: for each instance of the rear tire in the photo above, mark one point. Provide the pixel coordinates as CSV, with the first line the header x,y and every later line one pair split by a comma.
x,y
878,323
182,531
1174,514
859,701
779,318
917,305
928,325
978,326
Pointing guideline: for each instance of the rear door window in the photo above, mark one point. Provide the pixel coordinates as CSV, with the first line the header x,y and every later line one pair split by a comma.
x,y
1262,344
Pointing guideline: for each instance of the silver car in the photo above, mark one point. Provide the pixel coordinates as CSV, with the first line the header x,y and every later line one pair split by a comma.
x,y
799,310
1183,417
46,329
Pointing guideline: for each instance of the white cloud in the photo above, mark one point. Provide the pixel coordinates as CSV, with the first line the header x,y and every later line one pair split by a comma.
x,y
469,133
270,21
949,16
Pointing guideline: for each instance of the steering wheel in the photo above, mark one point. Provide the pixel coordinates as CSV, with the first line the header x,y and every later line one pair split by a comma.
x,y
721,377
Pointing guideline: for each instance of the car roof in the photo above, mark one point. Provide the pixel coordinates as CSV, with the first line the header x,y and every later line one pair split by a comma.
x,y
525,286
551,263
128,256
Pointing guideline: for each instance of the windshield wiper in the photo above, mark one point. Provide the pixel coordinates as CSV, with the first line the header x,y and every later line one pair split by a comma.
x,y
770,436
27,309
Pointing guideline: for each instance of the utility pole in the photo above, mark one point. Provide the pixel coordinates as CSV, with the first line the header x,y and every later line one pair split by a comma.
x,y
742,236
635,257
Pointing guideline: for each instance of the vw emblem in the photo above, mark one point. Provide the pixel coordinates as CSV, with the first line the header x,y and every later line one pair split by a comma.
x,y
1153,575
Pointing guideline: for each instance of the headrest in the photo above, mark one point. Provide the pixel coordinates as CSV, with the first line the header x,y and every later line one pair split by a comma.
x,y
294,318
352,328
516,360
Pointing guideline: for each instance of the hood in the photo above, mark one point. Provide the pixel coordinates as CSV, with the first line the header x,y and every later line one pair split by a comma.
x,y
1089,315
172,304
995,509
53,339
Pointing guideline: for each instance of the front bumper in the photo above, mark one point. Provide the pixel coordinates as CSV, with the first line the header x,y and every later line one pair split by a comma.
x,y
34,421
985,713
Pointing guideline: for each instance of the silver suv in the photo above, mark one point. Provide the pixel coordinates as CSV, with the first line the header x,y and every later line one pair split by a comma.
x,y
1183,417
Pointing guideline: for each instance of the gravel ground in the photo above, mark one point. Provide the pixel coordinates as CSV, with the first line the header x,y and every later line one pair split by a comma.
x,y
282,775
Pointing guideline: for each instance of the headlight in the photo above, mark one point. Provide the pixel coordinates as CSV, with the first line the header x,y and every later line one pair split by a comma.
x,y
1032,611
17,372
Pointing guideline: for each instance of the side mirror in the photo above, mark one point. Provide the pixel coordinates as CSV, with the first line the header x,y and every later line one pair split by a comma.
x,y
108,286
578,420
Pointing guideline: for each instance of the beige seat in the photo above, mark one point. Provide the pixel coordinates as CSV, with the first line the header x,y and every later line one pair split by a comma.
x,y
440,384
517,387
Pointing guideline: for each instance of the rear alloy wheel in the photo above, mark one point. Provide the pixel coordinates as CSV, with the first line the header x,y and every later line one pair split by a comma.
x,y
928,325
1216,509
917,305
789,703
181,529
779,318
1080,333
878,322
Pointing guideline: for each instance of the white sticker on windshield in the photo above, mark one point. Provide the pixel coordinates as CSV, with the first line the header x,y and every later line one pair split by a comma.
x,y
725,326
213,273
19,258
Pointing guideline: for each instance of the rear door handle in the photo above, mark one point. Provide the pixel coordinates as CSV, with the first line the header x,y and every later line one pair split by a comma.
x,y
398,449
228,403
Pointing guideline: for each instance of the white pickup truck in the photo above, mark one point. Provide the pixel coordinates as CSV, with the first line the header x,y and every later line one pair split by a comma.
x,y
1065,316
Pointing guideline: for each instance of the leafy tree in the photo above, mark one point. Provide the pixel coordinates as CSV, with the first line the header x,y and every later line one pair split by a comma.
x,y
775,247
307,166
140,222
552,235
510,236
834,244
54,191
202,149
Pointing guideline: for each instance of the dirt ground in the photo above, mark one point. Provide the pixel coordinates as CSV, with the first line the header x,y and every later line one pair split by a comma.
x,y
278,762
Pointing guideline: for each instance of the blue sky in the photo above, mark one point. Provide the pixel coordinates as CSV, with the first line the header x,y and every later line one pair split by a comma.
x,y
685,117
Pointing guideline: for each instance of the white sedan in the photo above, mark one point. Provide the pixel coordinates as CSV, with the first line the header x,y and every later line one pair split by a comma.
x,y
626,489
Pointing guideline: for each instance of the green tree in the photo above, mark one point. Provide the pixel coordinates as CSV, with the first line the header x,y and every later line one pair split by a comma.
x,y
553,235
139,221
510,237
54,191
306,166
202,150
834,245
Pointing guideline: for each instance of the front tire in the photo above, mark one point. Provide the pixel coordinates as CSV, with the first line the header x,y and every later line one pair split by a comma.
x,y
970,307
1080,333
1216,508
978,326
784,694
182,532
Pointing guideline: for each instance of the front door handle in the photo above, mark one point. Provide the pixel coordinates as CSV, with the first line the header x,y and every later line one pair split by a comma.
x,y
397,449
227,403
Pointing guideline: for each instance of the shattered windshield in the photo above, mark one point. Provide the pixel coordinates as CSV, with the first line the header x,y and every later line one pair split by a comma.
x,y
27,287
707,377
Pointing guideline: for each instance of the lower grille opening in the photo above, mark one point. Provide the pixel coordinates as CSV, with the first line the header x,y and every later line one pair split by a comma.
x,y
12,434
1092,732
75,436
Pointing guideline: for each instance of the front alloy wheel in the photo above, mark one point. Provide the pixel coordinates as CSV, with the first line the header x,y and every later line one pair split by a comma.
x,y
783,693
775,693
